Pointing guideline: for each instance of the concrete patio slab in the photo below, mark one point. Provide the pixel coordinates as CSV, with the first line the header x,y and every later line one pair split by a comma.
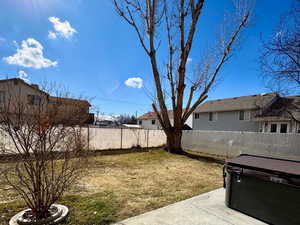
x,y
205,209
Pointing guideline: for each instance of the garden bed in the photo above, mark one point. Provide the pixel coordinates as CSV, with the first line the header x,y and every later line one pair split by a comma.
x,y
120,186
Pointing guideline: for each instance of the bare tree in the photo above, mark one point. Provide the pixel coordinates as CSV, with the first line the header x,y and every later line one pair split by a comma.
x,y
175,23
45,138
280,60
280,57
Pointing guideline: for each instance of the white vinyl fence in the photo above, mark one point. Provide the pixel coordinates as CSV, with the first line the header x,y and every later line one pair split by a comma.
x,y
107,138
111,138
230,144
5,142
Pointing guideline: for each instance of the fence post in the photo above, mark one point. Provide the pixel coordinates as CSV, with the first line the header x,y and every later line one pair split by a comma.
x,y
121,137
88,136
147,138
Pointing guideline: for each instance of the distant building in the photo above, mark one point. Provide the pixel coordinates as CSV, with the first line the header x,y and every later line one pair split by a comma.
x,y
78,106
150,121
257,113
107,121
132,126
31,97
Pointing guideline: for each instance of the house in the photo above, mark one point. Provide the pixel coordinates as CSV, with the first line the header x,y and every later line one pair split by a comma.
x,y
255,113
78,108
16,93
150,121
282,116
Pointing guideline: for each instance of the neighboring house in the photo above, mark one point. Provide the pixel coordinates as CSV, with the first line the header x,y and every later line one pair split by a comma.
x,y
255,113
78,108
15,92
150,121
282,116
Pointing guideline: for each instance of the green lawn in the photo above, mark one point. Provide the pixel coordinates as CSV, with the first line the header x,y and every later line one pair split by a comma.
x,y
120,186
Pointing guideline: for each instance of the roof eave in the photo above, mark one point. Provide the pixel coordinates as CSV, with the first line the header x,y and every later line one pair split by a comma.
x,y
232,110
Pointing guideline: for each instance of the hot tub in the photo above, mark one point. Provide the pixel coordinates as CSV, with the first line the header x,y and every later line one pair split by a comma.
x,y
265,188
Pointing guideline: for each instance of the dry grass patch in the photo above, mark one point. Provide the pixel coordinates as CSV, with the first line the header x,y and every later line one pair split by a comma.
x,y
146,181
120,186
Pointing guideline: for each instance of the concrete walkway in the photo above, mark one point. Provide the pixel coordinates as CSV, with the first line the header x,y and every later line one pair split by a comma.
x,y
205,209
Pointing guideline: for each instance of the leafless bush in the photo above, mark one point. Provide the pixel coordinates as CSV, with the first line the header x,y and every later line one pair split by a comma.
x,y
41,130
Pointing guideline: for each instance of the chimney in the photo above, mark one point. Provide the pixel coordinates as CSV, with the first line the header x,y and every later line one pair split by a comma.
x,y
35,86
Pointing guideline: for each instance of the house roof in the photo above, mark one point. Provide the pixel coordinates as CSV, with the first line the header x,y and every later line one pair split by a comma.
x,y
33,86
283,107
237,103
69,100
51,98
152,115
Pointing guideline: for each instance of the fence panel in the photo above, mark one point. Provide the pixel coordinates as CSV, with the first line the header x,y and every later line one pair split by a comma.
x,y
107,138
111,138
231,144
156,138
7,143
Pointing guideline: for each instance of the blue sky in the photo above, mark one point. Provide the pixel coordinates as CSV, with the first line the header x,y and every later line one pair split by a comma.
x,y
93,51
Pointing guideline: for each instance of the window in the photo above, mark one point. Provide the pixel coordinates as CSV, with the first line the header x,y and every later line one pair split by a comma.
x,y
140,122
283,128
2,96
34,99
242,115
212,116
153,122
265,129
197,115
273,128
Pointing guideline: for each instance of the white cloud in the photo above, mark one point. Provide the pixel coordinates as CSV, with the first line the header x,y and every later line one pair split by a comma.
x,y
22,75
135,82
52,35
30,54
189,60
63,29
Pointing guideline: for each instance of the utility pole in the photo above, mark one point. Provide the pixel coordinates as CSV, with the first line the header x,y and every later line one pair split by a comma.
x,y
136,117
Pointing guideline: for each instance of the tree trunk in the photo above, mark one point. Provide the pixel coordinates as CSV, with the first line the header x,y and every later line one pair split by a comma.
x,y
174,141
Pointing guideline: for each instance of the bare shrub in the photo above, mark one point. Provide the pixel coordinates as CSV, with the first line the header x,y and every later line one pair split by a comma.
x,y
45,138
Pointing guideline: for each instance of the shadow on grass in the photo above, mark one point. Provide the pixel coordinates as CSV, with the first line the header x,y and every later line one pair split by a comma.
x,y
203,158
